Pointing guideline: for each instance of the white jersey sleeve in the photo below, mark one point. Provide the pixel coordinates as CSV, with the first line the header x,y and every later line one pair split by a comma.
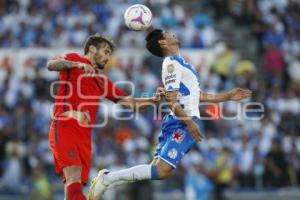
x,y
171,74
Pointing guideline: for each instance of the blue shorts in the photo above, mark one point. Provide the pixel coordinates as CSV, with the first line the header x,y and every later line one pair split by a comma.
x,y
174,141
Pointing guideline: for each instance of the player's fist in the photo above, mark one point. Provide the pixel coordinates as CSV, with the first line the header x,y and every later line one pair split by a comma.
x,y
238,94
88,69
194,131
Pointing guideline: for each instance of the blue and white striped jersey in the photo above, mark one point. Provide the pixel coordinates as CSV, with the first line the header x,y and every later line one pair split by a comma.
x,y
179,75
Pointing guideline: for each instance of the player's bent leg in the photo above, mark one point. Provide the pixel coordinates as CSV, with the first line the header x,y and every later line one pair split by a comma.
x,y
123,182
73,182
106,179
164,170
154,175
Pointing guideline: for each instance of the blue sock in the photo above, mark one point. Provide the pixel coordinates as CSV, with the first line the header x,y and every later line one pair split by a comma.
x,y
154,173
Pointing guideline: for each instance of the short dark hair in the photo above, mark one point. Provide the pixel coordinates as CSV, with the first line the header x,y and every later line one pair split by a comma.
x,y
96,40
152,42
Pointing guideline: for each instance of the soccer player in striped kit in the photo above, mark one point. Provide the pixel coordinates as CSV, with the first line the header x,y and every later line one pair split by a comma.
x,y
180,128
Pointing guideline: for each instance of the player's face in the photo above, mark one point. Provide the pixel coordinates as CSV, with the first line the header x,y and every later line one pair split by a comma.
x,y
172,42
171,38
102,55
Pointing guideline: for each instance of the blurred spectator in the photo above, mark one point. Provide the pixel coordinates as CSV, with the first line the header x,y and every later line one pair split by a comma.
x,y
294,70
224,65
291,45
275,174
197,184
41,186
244,66
246,163
271,37
258,28
273,59
258,168
294,166
12,176
224,172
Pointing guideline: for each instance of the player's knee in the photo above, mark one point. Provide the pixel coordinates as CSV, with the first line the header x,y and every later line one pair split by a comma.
x,y
72,174
164,171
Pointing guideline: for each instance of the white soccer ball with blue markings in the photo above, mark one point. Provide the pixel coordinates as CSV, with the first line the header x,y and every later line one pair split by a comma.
x,y
138,17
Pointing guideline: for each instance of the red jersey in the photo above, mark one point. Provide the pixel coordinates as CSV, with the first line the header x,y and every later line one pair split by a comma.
x,y
79,92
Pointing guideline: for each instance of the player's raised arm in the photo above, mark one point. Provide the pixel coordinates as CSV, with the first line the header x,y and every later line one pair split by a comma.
x,y
141,103
59,64
236,94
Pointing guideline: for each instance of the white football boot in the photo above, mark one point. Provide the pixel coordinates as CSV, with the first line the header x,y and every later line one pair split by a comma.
x,y
98,187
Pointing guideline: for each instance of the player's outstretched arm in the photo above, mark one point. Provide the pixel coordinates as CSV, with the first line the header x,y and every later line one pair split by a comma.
x,y
171,98
60,64
141,103
236,94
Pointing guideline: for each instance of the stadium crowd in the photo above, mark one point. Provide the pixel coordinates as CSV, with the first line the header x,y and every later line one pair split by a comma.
x,y
239,154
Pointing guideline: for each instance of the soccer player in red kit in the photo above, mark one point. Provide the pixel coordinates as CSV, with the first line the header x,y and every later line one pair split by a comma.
x,y
76,103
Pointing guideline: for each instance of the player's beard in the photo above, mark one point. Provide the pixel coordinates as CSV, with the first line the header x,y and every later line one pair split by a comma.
x,y
99,63
100,66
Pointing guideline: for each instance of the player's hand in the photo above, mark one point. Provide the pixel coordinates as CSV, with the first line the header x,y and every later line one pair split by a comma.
x,y
238,94
159,94
194,131
88,69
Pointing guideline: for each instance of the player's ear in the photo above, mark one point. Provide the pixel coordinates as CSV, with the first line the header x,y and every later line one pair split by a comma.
x,y
92,49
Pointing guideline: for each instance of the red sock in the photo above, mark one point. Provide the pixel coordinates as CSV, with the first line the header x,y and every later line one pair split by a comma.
x,y
75,192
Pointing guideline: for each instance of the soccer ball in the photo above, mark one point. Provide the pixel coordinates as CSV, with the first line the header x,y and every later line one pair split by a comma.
x,y
138,17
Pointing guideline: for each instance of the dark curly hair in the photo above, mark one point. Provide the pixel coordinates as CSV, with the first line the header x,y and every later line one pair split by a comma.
x,y
96,40
152,42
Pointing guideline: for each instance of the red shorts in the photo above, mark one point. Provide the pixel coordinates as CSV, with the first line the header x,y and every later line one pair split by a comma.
x,y
70,144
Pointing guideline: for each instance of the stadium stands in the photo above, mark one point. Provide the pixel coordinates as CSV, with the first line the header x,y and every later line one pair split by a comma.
x,y
255,44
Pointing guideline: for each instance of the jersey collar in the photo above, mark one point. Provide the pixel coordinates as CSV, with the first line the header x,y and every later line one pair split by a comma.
x,y
86,60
